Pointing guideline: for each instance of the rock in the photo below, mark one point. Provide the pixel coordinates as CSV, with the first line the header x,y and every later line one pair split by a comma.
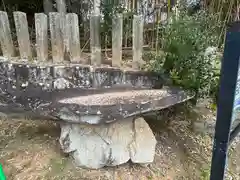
x,y
204,127
112,144
142,149
213,56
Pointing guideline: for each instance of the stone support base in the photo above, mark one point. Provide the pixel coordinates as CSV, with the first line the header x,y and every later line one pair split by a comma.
x,y
93,146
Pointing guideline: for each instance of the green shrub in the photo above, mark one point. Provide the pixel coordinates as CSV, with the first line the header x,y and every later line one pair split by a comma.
x,y
184,42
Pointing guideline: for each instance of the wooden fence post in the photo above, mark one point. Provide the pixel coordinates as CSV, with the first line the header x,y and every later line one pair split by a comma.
x,y
95,39
117,30
56,37
72,35
21,25
61,7
137,41
41,25
5,36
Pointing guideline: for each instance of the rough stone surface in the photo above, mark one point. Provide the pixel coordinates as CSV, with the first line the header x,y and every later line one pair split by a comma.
x,y
109,145
43,88
142,149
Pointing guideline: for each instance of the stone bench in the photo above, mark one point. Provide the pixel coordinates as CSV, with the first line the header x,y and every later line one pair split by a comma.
x,y
99,109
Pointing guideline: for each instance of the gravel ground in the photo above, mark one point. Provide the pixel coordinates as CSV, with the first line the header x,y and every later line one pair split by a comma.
x,y
29,150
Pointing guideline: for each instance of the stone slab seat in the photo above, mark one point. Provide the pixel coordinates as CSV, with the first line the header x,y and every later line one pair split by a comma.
x,y
111,106
97,106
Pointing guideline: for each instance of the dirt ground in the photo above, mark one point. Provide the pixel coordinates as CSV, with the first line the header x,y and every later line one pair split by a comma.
x,y
29,150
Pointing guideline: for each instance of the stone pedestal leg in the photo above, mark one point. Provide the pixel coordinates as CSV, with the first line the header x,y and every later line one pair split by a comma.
x,y
96,146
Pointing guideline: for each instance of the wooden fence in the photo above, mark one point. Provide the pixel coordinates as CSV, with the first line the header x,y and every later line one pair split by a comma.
x,y
62,31
155,12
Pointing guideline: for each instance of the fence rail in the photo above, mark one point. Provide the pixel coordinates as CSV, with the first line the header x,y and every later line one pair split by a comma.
x,y
65,39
